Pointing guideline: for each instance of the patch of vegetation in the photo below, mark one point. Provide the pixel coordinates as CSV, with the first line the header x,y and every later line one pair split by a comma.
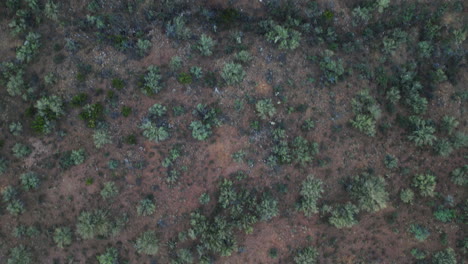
x,y
265,108
62,237
20,255
419,231
111,256
147,243
459,176
152,81
311,191
284,37
425,183
146,207
205,45
29,180
369,191
306,255
233,73
72,158
367,112
109,190
21,151
344,216
92,114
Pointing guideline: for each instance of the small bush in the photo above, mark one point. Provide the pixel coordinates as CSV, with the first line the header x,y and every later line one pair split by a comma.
x,y
176,28
101,138
147,243
152,81
423,134
311,191
118,84
29,49
284,37
243,57
62,237
445,215
111,256
390,161
94,223
143,46
184,78
205,45
407,196
420,232
157,110
199,130
176,63
3,165
306,255
126,111
448,124
15,207
146,207
204,198
153,132
79,99
8,194
446,256
20,255
29,180
267,208
109,190
21,151
196,72
332,68
233,73
369,191
344,216
443,147
459,176
72,158
16,128
418,253
426,184
92,113
265,108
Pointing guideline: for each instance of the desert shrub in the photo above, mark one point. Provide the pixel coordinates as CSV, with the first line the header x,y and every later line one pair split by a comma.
x,y
200,131
29,49
21,151
204,198
15,128
446,256
15,207
143,46
444,214
267,208
407,196
20,255
146,207
418,253
233,73
72,158
425,49
243,57
265,108
308,125
126,111
109,190
306,255
91,114
152,81
15,84
95,223
311,191
284,37
29,180
369,191
51,10
331,68
443,147
111,256
174,154
344,216
79,99
153,132
176,28
101,138
459,176
176,63
393,95
147,243
365,124
419,232
8,193
184,256
196,72
49,109
448,124
205,45
25,231
459,140
157,110
423,133
390,161
184,78
3,165
426,184
367,112
62,236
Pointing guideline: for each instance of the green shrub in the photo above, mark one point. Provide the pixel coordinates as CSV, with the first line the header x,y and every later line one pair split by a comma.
x,y
101,138
109,190
72,158
446,256
62,237
423,134
29,49
94,223
243,57
118,83
448,124
20,255
8,193
111,256
15,84
420,232
79,99
205,45
51,10
459,176
390,161
204,198
306,255
22,231
265,108
29,180
443,147
267,208
21,151
196,72
153,132
344,216
157,110
331,68
369,191
126,111
143,45
426,184
15,207
3,165
233,73
407,196
200,131
176,28
445,215
311,191
16,128
50,107
460,140
147,243
146,207
176,63
367,112
152,81
184,78
365,124
92,113
113,164
284,37
418,253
